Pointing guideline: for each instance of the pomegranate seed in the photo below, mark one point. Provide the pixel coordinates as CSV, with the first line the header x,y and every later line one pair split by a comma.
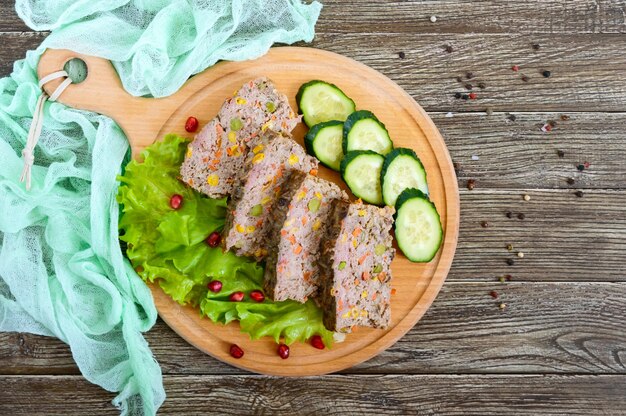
x,y
236,351
283,351
317,342
191,124
472,96
215,286
236,297
515,68
213,240
176,201
257,296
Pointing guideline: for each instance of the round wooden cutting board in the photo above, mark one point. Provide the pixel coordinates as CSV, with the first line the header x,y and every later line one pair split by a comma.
x,y
146,120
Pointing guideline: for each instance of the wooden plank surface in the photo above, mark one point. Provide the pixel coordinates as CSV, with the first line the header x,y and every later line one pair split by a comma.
x,y
14,47
460,16
391,394
472,16
545,328
586,69
563,237
518,154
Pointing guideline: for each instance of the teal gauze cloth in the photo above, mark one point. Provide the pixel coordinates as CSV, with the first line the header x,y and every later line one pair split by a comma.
x,y
62,272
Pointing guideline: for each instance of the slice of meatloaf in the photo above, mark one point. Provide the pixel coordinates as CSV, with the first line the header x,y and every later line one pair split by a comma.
x,y
270,162
215,158
355,267
298,219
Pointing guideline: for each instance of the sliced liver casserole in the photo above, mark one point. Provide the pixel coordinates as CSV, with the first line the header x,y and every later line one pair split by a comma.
x,y
299,222
355,267
214,160
268,165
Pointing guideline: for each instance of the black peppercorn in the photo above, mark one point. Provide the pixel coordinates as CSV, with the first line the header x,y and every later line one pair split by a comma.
x,y
457,95
468,87
469,75
459,79
510,262
580,167
560,153
509,214
536,46
521,216
512,117
570,181
481,85
449,49
484,224
465,97
579,194
402,55
546,74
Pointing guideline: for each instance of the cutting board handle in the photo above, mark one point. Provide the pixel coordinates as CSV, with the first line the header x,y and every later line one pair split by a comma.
x,y
102,92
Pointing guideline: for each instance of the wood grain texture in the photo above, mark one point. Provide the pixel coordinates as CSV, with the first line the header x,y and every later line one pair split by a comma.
x,y
545,328
9,20
586,69
14,47
391,394
518,154
471,16
563,237
484,16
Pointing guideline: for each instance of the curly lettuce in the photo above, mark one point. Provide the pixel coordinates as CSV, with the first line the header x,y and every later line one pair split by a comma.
x,y
168,246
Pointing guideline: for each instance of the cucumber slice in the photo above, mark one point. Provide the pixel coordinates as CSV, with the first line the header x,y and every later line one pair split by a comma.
x,y
363,131
324,142
320,101
402,170
360,170
418,226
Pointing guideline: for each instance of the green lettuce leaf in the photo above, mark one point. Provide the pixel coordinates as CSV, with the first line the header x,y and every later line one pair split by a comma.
x,y
168,246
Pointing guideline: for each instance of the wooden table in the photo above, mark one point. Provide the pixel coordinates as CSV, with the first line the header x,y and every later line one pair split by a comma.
x,y
559,345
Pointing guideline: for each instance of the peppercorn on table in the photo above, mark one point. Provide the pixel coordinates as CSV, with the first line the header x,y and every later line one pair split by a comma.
x,y
531,98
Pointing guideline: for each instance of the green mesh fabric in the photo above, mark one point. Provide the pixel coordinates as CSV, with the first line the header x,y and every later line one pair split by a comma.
x,y
62,272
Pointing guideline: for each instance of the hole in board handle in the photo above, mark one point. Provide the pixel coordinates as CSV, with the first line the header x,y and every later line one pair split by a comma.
x,y
76,69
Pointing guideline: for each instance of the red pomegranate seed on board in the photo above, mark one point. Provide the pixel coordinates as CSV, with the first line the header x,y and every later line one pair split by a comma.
x,y
316,342
236,351
191,124
215,286
176,201
214,239
257,296
236,297
283,351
